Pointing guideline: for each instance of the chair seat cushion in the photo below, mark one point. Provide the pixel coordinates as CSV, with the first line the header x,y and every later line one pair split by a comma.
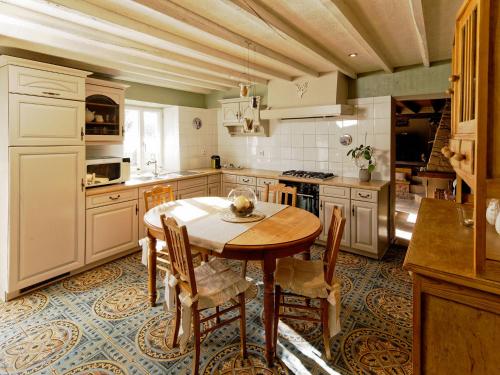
x,y
217,283
303,277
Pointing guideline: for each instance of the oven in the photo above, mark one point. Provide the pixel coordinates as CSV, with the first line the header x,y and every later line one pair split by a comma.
x,y
307,195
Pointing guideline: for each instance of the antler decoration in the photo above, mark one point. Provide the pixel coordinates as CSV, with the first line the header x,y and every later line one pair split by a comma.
x,y
301,88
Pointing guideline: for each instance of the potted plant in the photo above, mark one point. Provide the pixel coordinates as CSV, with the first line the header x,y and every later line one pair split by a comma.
x,y
364,160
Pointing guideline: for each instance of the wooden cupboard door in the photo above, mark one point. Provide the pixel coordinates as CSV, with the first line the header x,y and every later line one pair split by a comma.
x,y
30,81
231,113
466,65
214,190
47,218
326,206
39,121
111,230
364,226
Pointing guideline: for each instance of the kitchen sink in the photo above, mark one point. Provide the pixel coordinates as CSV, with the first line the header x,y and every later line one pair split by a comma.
x,y
163,176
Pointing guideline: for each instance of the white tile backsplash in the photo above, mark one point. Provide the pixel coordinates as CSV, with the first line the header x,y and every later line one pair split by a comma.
x,y
314,144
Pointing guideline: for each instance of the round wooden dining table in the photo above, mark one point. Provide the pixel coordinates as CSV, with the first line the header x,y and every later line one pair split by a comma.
x,y
286,233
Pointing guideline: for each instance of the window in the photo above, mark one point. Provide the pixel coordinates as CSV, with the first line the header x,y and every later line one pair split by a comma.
x,y
143,137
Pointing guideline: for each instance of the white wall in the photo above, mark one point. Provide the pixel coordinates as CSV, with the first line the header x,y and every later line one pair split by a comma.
x,y
197,145
314,144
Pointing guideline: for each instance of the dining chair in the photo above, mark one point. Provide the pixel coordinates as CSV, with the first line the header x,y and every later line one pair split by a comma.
x,y
280,193
209,285
310,280
152,198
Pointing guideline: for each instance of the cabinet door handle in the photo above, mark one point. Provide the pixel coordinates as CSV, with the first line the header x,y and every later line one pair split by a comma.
x,y
136,210
353,211
51,93
321,206
83,184
115,198
363,195
82,133
245,180
453,78
450,91
458,157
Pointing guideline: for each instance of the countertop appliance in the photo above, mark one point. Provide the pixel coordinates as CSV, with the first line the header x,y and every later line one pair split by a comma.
x,y
308,174
215,161
104,170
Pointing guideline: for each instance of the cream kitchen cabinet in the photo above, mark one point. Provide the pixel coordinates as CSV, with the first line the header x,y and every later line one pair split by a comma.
x,y
326,206
47,213
111,229
43,81
364,226
39,121
234,111
366,230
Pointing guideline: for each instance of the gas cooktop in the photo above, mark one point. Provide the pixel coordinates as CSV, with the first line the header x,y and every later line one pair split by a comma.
x,y
308,174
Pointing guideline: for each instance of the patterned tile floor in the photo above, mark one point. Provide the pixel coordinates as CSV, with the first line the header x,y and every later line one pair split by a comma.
x,y
99,322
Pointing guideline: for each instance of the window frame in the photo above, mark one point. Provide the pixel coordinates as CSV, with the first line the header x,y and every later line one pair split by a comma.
x,y
141,159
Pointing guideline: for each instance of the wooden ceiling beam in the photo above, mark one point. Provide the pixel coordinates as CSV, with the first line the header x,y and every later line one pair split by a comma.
x,y
36,38
104,21
354,26
417,13
257,9
185,16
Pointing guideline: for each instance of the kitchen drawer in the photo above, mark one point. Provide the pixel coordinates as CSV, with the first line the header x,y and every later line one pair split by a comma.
x,y
193,192
191,182
266,181
364,195
43,83
246,180
39,121
334,191
111,198
214,178
467,152
230,178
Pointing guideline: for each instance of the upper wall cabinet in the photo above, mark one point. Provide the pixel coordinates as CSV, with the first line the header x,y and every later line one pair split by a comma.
x,y
23,80
241,116
104,111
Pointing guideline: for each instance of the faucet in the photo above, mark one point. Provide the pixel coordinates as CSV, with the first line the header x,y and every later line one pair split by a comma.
x,y
155,173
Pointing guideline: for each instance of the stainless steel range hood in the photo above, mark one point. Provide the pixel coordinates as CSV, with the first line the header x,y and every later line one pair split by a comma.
x,y
308,97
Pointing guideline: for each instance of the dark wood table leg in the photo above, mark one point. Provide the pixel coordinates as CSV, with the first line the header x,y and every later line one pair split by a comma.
x,y
152,270
269,268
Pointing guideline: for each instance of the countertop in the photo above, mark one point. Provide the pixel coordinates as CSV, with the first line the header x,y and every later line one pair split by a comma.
x,y
441,247
336,181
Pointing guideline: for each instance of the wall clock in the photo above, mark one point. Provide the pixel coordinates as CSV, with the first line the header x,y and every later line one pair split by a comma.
x,y
197,123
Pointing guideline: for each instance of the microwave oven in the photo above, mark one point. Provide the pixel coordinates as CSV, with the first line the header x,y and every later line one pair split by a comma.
x,y
106,170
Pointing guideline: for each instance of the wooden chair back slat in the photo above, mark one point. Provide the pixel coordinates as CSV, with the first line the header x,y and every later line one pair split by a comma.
x,y
158,195
280,193
335,232
179,250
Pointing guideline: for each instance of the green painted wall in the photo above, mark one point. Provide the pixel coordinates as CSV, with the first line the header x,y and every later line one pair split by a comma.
x,y
211,99
162,95
407,81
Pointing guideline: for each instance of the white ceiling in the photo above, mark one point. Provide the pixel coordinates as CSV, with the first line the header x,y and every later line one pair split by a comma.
x,y
203,45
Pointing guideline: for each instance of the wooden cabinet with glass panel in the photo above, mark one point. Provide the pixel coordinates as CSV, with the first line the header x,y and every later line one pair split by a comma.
x,y
104,111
